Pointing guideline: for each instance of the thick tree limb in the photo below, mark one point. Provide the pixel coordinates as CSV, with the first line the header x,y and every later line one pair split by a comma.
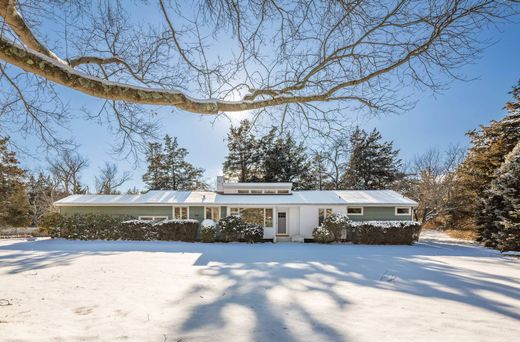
x,y
17,23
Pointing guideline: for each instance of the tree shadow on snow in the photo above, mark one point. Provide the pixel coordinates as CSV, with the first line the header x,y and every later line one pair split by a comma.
x,y
284,288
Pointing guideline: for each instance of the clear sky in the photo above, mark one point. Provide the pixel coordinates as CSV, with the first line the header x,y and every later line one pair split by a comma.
x,y
436,121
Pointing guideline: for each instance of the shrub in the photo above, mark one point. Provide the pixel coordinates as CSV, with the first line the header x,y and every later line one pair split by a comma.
x,y
208,231
137,230
336,224
176,230
322,235
50,220
384,232
231,228
253,232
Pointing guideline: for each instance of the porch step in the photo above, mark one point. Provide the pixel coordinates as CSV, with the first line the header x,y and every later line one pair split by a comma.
x,y
297,238
282,238
287,238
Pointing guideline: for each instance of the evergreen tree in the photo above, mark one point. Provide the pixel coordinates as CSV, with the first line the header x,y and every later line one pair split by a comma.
x,y
373,163
169,170
14,205
490,145
287,161
154,177
244,157
177,172
499,220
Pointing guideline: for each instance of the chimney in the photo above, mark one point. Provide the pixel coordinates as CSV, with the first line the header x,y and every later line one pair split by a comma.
x,y
220,183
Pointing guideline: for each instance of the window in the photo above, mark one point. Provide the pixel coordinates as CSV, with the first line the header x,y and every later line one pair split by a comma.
x,y
323,213
261,216
256,192
268,217
243,191
283,192
213,213
153,218
402,210
270,192
180,213
354,210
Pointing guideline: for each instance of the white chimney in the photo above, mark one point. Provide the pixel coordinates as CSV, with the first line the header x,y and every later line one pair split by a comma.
x,y
220,183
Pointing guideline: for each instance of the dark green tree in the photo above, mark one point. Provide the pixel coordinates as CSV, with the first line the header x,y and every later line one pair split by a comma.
x,y
489,146
154,177
178,173
14,204
373,163
286,160
243,161
168,168
499,220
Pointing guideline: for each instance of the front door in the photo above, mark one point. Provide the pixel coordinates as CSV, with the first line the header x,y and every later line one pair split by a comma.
x,y
282,222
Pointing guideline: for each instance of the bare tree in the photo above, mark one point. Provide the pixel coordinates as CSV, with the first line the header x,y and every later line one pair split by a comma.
x,y
66,169
109,179
434,181
303,62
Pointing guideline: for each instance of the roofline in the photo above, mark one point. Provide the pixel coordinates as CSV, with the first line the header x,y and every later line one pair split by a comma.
x,y
159,204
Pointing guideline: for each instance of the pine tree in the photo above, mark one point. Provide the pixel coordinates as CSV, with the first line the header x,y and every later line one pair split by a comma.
x,y
287,161
154,177
499,219
177,172
169,170
244,157
14,205
490,145
373,163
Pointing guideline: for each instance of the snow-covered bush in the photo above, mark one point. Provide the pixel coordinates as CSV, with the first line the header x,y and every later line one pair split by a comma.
x,y
177,230
231,228
208,231
384,232
141,230
253,232
336,224
322,235
87,227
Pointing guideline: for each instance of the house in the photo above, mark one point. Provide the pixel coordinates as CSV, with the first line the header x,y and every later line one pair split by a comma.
x,y
284,213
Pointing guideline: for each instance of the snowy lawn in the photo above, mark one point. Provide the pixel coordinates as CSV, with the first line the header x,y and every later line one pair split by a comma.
x,y
437,290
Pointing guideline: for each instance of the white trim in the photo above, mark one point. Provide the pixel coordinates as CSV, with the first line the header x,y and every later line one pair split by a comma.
x,y
264,208
152,218
181,206
356,207
401,214
213,206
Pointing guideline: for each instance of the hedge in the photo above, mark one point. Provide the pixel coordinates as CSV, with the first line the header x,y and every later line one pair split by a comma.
x,y
384,232
105,227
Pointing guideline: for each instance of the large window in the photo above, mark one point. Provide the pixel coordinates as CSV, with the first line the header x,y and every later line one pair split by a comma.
x,y
213,213
181,213
323,213
355,211
261,216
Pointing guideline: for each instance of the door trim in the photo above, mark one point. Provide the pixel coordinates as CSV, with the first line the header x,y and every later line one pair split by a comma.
x,y
278,223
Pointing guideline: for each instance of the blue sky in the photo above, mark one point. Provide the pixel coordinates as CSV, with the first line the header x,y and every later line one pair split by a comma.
x,y
437,120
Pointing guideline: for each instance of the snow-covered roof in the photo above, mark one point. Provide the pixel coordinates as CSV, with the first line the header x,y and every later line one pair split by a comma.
x,y
166,197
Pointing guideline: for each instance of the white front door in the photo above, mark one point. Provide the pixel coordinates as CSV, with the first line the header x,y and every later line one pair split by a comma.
x,y
282,222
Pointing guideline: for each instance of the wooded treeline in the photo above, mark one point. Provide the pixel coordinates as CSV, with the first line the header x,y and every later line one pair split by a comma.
x,y
477,189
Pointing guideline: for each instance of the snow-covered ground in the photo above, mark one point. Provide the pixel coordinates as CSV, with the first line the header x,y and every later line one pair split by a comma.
x,y
440,289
